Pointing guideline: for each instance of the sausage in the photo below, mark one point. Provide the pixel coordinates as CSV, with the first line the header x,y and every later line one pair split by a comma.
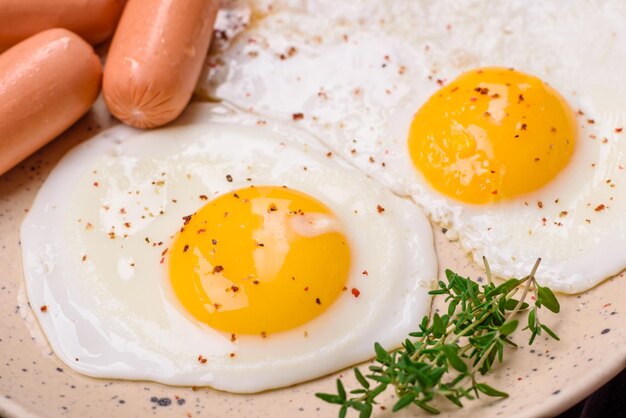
x,y
47,82
94,20
155,59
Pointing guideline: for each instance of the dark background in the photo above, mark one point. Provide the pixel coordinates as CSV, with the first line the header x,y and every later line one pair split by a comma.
x,y
607,402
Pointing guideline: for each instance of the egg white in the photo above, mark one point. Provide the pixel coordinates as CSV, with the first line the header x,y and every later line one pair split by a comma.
x,y
109,310
377,62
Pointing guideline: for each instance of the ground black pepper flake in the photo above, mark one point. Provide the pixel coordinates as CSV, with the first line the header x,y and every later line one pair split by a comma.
x,y
186,248
318,301
218,269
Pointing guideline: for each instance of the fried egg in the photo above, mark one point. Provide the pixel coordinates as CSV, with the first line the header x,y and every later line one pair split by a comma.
x,y
225,251
506,125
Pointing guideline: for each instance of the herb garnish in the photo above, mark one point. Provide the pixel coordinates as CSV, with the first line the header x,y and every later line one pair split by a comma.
x,y
446,354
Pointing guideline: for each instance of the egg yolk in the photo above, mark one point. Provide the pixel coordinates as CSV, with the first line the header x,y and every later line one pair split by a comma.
x,y
492,133
259,260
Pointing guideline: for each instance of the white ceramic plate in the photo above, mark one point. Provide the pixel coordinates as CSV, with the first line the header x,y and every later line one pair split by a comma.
x,y
543,380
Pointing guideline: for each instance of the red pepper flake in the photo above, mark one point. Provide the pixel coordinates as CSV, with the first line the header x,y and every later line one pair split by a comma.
x,y
472,99
600,207
318,301
127,224
204,197
524,126
297,116
618,130
96,184
355,292
201,359
272,208
218,269
306,289
186,248
44,308
544,221
112,235
540,204
591,121
234,288
201,231
520,98
365,273
380,209
233,338
187,219
162,260
123,211
89,226
255,282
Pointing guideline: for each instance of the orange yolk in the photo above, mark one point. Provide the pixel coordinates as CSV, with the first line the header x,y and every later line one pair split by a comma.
x,y
492,133
259,260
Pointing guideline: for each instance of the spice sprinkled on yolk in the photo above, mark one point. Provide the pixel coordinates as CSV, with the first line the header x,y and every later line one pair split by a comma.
x,y
259,260
492,133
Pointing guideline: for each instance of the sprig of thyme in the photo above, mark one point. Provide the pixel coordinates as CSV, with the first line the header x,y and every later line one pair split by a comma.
x,y
444,357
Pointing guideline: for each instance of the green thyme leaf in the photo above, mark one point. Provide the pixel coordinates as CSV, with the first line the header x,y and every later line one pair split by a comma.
x,y
443,358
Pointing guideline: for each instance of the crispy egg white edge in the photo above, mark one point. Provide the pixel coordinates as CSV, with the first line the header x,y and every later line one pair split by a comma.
x,y
49,205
